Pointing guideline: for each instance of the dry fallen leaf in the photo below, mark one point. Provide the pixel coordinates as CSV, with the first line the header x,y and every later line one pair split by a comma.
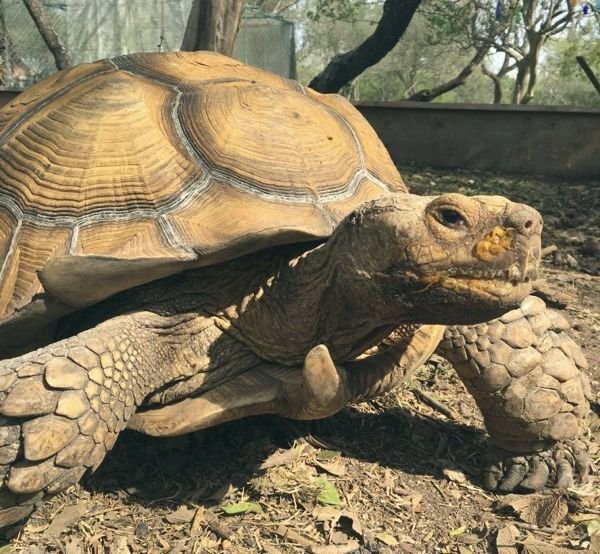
x,y
241,508
535,546
283,457
335,468
543,510
506,541
183,514
65,518
331,516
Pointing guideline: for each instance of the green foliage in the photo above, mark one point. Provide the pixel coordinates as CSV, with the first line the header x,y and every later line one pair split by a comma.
x,y
335,9
562,80
441,39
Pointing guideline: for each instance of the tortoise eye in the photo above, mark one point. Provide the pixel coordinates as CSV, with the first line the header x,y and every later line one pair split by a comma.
x,y
451,218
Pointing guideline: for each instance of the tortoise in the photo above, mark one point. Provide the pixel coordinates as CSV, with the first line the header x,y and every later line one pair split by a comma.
x,y
187,240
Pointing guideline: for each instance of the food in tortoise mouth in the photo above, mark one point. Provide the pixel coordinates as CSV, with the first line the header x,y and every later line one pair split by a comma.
x,y
188,240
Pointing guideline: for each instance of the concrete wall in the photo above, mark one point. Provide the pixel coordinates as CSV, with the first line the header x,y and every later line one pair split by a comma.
x,y
534,140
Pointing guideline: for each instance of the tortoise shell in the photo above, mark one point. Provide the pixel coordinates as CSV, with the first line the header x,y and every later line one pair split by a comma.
x,y
127,170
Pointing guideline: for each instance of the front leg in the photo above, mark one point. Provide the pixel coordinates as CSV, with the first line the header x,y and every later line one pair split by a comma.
x,y
63,406
526,375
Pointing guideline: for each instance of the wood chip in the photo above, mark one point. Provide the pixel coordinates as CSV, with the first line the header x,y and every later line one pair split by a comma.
x,y
290,535
336,548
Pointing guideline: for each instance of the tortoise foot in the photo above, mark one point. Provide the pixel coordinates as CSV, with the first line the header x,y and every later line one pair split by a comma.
x,y
561,466
56,423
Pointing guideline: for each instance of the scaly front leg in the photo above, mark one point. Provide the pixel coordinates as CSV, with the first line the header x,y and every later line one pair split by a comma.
x,y
63,406
526,375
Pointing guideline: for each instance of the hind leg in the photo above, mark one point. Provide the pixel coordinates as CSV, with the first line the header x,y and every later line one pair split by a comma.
x,y
526,375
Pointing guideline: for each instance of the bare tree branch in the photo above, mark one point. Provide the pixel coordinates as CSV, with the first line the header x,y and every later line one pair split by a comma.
x,y
396,16
42,22
496,80
426,95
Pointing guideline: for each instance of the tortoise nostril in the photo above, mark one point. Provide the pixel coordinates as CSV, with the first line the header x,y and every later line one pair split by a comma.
x,y
528,224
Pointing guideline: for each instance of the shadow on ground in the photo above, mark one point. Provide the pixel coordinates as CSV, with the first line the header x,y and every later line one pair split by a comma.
x,y
199,468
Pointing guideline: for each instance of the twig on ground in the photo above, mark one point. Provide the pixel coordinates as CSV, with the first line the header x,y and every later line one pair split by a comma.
x,y
435,404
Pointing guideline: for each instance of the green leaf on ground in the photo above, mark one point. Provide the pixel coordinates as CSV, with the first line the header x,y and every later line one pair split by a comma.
x,y
326,455
328,494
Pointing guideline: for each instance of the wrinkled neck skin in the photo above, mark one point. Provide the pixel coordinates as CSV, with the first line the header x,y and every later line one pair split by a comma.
x,y
318,297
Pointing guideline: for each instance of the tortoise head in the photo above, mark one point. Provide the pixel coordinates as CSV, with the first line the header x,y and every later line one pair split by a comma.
x,y
448,259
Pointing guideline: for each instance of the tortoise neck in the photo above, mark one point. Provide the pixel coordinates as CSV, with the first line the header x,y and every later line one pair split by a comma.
x,y
317,297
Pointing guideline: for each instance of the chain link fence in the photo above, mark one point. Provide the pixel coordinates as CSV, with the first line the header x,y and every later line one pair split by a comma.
x,y
95,29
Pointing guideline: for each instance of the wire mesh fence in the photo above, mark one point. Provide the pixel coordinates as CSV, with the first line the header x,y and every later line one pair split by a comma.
x,y
95,29
266,41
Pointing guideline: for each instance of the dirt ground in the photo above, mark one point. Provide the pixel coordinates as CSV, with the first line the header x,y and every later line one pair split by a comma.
x,y
397,475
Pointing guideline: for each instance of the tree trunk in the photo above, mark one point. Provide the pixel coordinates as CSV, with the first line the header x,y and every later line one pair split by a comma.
x,y
42,22
396,16
426,95
213,25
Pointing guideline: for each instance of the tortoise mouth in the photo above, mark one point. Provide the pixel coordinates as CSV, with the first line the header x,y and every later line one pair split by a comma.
x,y
498,288
514,281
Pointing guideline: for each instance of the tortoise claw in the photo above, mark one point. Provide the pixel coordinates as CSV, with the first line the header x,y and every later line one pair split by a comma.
x,y
538,475
558,467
